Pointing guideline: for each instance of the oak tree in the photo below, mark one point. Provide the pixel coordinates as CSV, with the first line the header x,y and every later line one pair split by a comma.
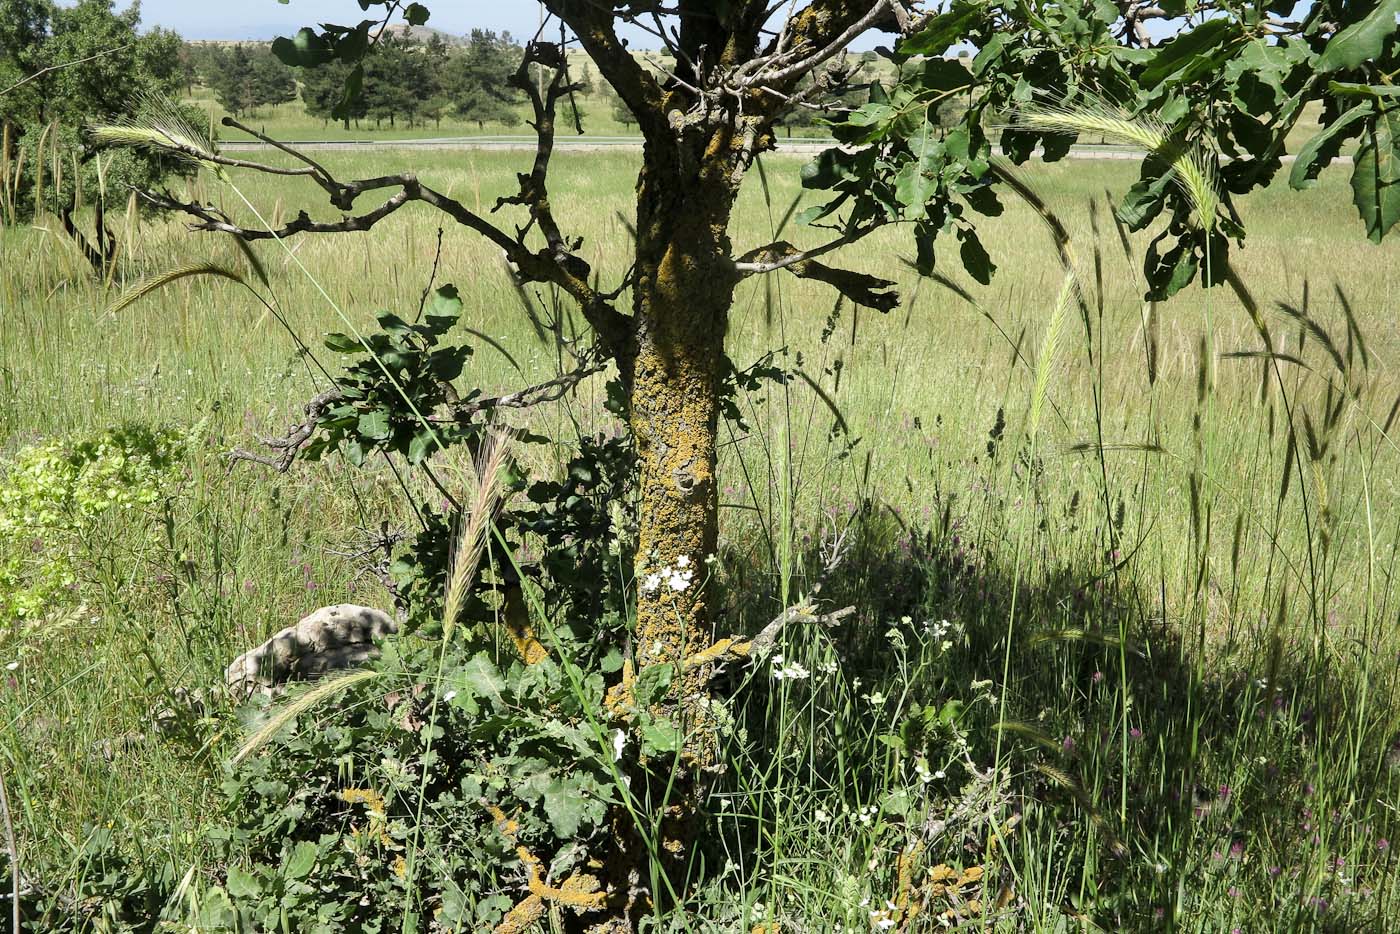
x,y
1207,93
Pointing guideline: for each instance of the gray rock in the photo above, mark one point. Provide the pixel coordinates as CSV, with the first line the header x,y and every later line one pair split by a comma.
x,y
331,639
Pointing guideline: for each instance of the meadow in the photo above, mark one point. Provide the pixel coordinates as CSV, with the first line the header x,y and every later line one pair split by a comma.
x,y
1147,571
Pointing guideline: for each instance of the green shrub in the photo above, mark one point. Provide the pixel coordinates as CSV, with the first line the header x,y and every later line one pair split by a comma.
x,y
55,499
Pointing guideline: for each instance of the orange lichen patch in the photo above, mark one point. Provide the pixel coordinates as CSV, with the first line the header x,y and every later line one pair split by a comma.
x,y
722,650
956,887
579,891
619,701
904,902
767,927
522,916
508,827
371,799
522,634
374,810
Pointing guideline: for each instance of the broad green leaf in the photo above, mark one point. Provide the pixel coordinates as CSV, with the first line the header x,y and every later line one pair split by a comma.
x,y
416,14
1189,54
1322,148
833,166
565,807
1375,177
942,31
446,301
652,684
374,424
243,884
941,75
917,181
1168,273
343,343
305,49
1351,89
660,735
1362,41
1144,201
422,445
483,678
302,860
989,53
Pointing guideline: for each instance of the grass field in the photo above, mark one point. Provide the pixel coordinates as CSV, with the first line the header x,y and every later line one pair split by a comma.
x,y
1177,637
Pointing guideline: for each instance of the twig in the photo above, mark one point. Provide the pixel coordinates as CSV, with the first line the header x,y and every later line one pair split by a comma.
x,y
62,65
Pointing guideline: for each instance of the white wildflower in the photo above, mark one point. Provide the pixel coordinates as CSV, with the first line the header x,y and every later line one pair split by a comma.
x,y
448,696
679,582
12,666
650,583
683,561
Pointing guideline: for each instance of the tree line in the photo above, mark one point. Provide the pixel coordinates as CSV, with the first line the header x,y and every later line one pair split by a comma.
x,y
407,80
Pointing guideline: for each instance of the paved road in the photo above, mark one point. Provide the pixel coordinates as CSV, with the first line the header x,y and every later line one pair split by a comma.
x,y
581,144
625,143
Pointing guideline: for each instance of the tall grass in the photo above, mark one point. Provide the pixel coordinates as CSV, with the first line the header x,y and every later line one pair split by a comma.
x,y
1193,707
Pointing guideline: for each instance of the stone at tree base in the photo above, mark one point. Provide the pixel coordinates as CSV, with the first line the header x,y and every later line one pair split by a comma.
x,y
330,639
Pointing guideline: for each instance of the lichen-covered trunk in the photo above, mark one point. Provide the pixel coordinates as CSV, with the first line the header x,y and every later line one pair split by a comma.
x,y
674,369
685,287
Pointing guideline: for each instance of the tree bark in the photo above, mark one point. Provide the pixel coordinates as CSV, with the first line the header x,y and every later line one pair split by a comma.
x,y
685,286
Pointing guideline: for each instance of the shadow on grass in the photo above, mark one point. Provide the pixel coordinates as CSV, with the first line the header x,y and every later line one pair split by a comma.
x,y
1161,779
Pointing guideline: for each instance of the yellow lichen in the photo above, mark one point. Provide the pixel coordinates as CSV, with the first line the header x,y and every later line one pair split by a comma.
x,y
522,634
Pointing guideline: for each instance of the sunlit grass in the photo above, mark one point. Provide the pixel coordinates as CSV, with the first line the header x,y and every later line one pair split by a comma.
x,y
1191,641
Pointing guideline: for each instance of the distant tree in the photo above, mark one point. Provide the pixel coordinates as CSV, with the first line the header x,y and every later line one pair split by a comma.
x,y
395,80
189,67
483,91
273,82
233,81
322,90
433,79
619,109
78,63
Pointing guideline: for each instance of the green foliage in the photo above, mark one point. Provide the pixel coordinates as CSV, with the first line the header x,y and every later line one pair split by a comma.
x,y
406,374
79,63
1228,87
57,498
381,811
245,78
481,79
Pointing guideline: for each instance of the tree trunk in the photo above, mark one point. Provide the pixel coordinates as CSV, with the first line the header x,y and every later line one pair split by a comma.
x,y
683,293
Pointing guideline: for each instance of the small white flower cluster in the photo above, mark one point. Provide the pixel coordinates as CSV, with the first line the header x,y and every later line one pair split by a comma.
x,y
867,814
829,667
940,631
789,670
884,918
677,579
925,776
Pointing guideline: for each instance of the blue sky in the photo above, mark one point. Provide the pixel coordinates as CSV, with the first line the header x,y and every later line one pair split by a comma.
x,y
266,19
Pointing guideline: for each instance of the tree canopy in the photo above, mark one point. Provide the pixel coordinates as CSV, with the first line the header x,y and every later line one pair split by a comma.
x,y
64,66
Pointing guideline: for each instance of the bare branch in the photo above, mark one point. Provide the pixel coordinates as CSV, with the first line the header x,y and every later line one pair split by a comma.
x,y
62,65
594,25
870,291
299,435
